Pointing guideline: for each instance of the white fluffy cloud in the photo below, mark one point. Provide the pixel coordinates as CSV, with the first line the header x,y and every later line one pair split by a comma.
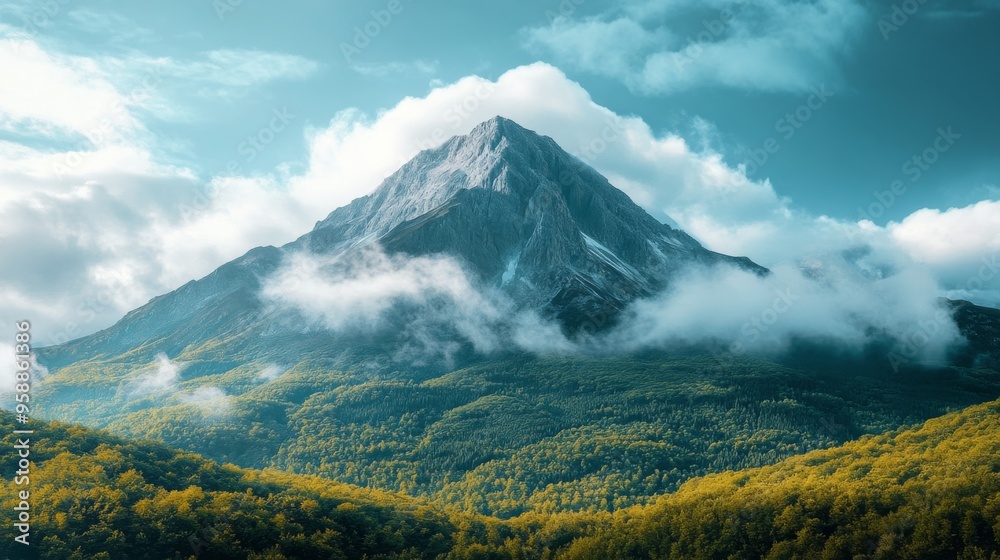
x,y
950,236
210,401
96,222
770,45
829,302
163,378
271,372
34,100
962,246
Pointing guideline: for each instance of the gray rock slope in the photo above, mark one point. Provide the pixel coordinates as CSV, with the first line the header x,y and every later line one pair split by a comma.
x,y
523,215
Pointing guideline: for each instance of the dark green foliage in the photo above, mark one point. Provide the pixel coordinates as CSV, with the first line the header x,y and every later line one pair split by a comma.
x,y
95,493
520,434
927,492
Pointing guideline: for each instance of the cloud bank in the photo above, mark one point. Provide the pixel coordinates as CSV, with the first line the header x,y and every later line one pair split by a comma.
x,y
432,309
655,47
430,306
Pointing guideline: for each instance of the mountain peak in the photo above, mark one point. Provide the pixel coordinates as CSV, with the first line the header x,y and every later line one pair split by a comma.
x,y
499,126
498,139
525,216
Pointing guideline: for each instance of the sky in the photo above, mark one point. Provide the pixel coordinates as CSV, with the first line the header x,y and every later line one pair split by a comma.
x,y
142,145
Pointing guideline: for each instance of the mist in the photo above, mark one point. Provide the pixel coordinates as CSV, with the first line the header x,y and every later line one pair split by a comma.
x,y
430,305
830,305
432,308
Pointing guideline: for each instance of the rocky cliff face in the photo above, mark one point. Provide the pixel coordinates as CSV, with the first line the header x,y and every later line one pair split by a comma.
x,y
527,217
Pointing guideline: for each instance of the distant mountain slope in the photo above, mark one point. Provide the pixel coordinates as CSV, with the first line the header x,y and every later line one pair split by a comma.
x,y
981,327
523,216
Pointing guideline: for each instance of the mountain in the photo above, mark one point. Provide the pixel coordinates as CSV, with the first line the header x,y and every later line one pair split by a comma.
x,y
528,217
213,368
981,328
523,216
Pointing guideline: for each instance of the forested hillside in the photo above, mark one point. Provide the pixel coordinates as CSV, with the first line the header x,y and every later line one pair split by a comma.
x,y
928,492
521,434
932,491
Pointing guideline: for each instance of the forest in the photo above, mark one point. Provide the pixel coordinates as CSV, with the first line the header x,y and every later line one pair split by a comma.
x,y
926,491
506,437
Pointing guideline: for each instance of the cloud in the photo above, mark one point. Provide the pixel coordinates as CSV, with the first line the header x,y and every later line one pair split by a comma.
x,y
384,69
109,25
360,151
210,401
7,371
953,235
45,82
239,68
102,223
774,45
833,302
9,378
428,304
962,246
430,310
271,372
163,378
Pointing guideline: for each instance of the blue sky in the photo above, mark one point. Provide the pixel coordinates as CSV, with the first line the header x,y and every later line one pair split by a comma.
x,y
768,128
890,96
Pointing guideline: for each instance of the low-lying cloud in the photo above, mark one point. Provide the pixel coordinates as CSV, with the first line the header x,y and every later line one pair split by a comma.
x,y
431,303
271,372
8,375
210,401
163,378
832,303
435,308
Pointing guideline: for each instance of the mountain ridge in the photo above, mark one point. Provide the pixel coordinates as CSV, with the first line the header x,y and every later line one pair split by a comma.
x,y
527,218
